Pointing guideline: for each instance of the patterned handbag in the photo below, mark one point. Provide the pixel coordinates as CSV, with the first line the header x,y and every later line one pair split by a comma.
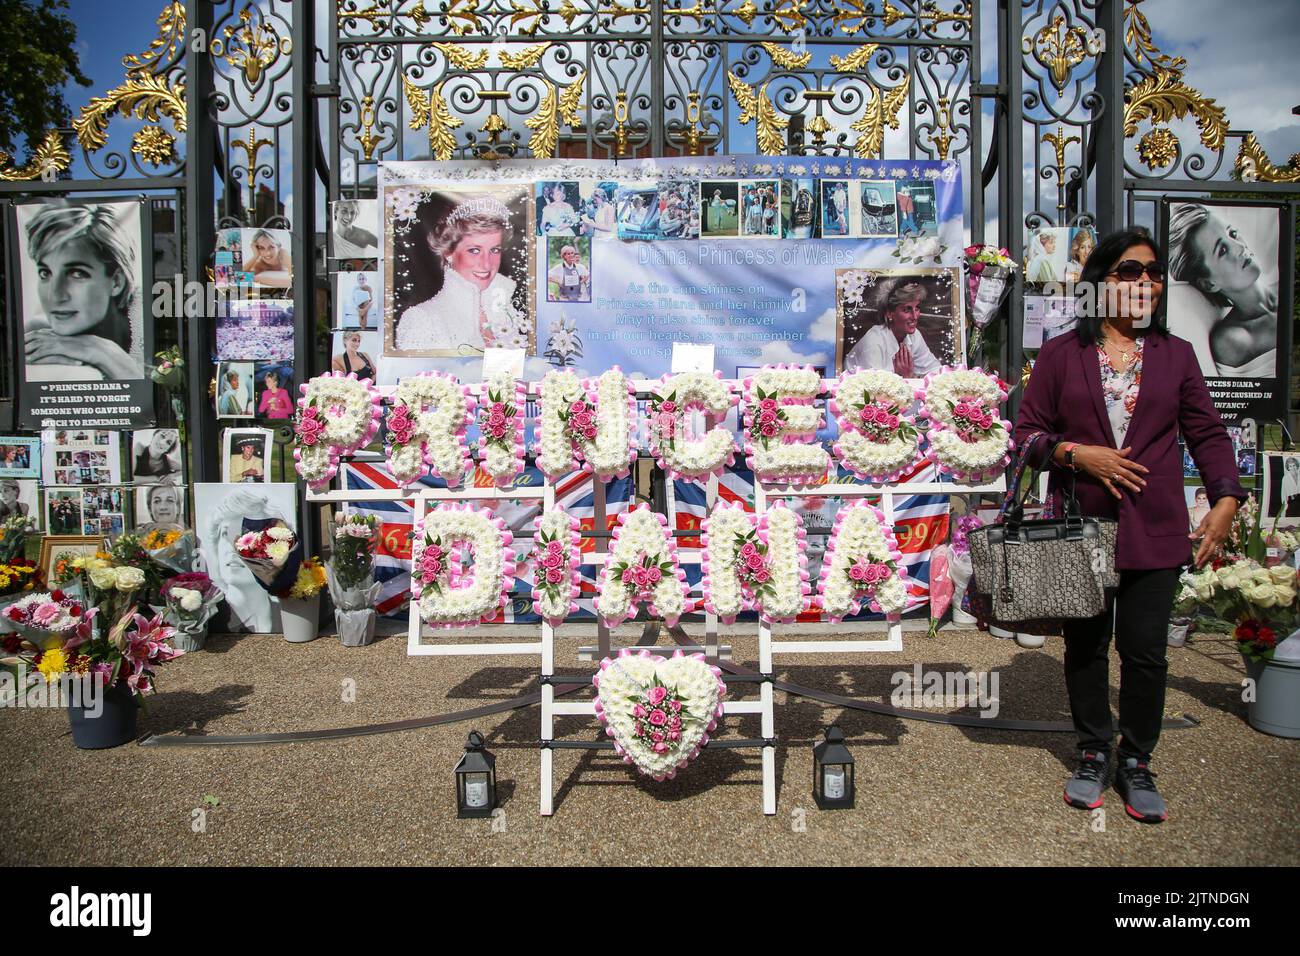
x,y
1028,576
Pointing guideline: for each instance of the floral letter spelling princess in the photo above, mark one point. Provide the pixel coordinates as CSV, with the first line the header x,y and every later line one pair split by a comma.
x,y
587,423
447,596
755,563
779,418
337,414
420,437
677,453
862,565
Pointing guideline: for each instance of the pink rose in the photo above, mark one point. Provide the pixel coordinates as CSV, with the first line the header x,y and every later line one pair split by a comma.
x,y
674,735
642,577
675,705
766,416
669,406
675,724
868,413
653,575
657,695
554,575
657,716
629,575
747,549
590,433
577,408
769,430
552,560
639,729
310,427
555,546
961,408
660,748
755,561
638,711
761,576
891,421
499,430
767,404
666,422
857,573
657,736
583,422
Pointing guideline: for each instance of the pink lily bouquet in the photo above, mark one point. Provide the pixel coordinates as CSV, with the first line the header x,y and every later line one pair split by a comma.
x,y
659,715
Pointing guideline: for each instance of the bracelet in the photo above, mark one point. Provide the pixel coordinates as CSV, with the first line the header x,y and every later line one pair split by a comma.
x,y
1069,455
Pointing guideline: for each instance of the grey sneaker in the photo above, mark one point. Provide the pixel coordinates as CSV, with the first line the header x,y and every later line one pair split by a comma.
x,y
1137,785
1084,790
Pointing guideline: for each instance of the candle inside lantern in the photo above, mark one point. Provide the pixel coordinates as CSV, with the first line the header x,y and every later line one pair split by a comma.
x,y
833,782
476,790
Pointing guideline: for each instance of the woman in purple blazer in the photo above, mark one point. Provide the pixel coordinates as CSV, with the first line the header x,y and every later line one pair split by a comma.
x,y
1111,401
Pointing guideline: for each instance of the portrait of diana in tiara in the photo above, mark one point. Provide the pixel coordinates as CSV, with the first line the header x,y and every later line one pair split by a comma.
x,y
476,246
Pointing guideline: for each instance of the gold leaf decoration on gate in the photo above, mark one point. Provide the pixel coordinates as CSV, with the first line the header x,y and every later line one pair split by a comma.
x,y
757,106
571,102
788,15
431,109
147,93
787,59
1163,96
462,57
50,154
1137,37
546,131
524,58
856,61
1253,164
881,109
462,17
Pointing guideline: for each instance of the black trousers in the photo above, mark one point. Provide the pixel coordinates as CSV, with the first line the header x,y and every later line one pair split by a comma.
x,y
1141,610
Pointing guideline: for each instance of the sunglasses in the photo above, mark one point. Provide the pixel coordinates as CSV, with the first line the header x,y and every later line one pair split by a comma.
x,y
1130,270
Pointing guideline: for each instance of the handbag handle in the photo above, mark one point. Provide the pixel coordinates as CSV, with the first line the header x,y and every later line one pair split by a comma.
x,y
1013,502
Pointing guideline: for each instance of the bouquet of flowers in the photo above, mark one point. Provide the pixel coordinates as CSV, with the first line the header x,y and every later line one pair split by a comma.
x,y
128,550
13,537
309,582
351,577
189,601
1260,601
270,550
170,547
105,585
45,619
17,575
129,653
988,283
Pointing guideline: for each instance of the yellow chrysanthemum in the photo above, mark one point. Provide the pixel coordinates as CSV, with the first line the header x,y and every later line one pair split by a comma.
x,y
53,663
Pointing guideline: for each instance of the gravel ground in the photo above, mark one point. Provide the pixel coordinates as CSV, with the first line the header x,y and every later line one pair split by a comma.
x,y
927,793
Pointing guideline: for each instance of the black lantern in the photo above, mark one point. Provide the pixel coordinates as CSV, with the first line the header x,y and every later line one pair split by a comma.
x,y
833,772
476,780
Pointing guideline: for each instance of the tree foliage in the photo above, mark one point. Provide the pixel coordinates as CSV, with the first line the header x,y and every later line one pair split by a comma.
x,y
37,57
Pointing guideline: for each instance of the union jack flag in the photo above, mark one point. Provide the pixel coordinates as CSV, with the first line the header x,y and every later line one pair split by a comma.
x,y
575,493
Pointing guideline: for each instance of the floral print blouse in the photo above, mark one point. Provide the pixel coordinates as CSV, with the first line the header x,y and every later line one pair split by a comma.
x,y
1120,389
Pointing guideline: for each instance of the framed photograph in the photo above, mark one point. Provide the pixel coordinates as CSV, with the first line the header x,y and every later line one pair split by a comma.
x,y
1282,488
453,257
760,208
55,548
557,208
103,511
1083,240
235,389
918,213
907,321
255,329
879,208
63,511
1231,265
568,269
267,257
156,456
356,351
837,210
274,385
798,208
94,329
355,229
359,304
719,205
637,206
221,510
20,496
81,456
246,456
163,503
20,457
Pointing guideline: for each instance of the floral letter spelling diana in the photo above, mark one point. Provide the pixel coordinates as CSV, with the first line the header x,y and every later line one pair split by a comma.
x,y
446,594
679,454
878,441
426,428
337,414
587,423
781,424
642,567
755,563
862,565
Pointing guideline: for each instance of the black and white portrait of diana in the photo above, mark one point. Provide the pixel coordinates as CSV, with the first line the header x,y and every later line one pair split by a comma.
x,y
82,291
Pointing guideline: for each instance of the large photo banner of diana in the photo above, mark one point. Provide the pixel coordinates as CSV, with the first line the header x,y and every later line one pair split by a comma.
x,y
85,275
588,264
1231,273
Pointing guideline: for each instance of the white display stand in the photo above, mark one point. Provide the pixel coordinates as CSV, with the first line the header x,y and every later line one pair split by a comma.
x,y
768,648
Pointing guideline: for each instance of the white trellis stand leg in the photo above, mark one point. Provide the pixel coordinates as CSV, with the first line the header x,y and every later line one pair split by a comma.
x,y
415,628
767,719
711,648
602,545
548,693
